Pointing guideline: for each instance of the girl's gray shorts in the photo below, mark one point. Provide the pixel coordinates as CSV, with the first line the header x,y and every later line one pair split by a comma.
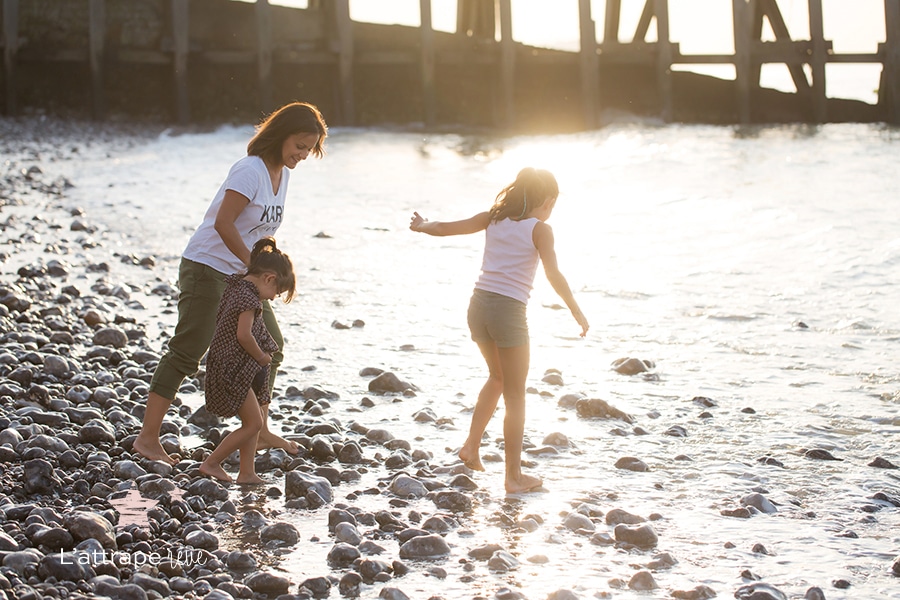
x,y
497,318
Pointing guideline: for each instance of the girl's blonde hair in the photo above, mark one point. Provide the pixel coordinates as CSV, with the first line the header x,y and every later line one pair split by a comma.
x,y
265,257
530,190
290,119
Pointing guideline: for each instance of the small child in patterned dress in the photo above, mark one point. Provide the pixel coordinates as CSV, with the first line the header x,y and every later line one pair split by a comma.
x,y
237,366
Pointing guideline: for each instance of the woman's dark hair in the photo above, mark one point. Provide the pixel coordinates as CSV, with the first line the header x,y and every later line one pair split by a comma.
x,y
290,119
530,190
265,257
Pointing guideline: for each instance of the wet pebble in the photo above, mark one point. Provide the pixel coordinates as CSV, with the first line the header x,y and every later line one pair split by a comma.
x,y
632,366
263,582
631,463
643,581
701,592
820,454
882,463
642,536
595,408
424,546
759,502
759,591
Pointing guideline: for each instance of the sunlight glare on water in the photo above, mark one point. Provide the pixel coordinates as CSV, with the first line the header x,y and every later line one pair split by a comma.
x,y
757,267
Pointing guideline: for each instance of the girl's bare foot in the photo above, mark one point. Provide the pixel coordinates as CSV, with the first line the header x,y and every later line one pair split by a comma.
x,y
251,480
152,450
471,459
267,440
524,483
215,471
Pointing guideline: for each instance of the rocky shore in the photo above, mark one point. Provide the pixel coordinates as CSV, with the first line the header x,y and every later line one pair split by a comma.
x,y
77,351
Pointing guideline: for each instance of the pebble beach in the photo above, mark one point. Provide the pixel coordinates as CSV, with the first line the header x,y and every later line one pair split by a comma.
x,y
374,505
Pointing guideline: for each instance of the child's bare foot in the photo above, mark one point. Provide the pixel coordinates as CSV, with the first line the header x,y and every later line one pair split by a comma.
x,y
267,440
524,483
152,450
471,459
215,471
250,480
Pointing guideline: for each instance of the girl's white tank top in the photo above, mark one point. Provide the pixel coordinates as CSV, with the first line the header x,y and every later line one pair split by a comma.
x,y
510,259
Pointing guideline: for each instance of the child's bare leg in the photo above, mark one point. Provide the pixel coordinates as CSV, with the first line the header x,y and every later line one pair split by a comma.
x,y
147,442
470,453
212,466
251,414
268,439
514,363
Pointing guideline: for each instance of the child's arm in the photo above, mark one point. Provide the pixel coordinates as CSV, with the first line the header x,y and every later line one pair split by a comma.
x,y
542,236
471,225
247,341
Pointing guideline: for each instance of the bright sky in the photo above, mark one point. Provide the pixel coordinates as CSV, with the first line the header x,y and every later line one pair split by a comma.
x,y
699,26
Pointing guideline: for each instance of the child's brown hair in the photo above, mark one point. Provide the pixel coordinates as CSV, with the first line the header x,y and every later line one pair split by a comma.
x,y
530,190
265,257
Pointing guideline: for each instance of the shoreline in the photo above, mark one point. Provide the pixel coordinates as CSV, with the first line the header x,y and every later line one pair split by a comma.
x,y
82,403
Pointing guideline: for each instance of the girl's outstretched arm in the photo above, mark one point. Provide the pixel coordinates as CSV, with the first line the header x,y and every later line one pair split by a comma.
x,y
440,228
543,241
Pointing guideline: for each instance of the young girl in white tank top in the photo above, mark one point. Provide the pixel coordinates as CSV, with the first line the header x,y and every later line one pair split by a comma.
x,y
517,237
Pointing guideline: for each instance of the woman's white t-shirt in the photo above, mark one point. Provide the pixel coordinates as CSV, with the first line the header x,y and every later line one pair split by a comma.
x,y
261,217
510,259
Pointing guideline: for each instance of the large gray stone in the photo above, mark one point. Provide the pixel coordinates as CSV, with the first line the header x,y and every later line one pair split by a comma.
x,y
425,546
298,485
86,525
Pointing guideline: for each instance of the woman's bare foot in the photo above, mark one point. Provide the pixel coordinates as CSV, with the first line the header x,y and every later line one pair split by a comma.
x,y
252,480
215,471
152,450
471,459
524,483
267,440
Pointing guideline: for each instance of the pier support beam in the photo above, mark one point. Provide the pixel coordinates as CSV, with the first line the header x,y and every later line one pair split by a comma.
x,y
663,58
96,44
817,61
769,9
10,49
612,22
264,54
664,51
743,65
476,18
588,60
180,31
429,108
344,31
507,65
890,78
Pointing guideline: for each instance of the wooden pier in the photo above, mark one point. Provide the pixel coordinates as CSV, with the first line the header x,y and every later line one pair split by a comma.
x,y
197,60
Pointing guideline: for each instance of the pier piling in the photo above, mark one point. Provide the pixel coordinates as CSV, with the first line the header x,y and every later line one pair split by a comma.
x,y
97,33
10,48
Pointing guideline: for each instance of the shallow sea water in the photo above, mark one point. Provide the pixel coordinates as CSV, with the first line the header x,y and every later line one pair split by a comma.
x,y
758,267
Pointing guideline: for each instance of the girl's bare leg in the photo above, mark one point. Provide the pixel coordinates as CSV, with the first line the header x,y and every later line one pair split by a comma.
x,y
488,397
147,442
268,439
514,365
251,414
243,436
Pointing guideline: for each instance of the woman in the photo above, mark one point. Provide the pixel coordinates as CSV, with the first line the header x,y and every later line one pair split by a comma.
x,y
248,206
